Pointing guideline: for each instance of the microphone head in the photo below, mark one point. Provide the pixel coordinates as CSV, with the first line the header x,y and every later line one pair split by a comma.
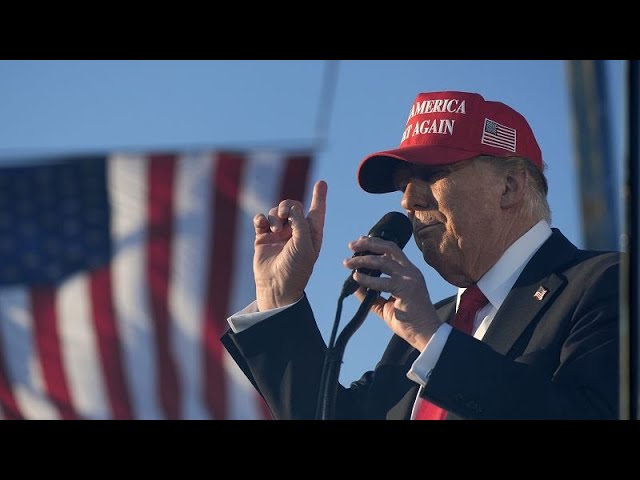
x,y
394,226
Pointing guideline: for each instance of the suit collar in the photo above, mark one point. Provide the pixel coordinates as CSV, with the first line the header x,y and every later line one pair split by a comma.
x,y
522,305
501,277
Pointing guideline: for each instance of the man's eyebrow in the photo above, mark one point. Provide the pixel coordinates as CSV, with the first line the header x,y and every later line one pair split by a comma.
x,y
430,171
400,176
403,174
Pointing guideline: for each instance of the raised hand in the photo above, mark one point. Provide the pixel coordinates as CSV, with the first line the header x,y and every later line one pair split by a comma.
x,y
287,245
408,311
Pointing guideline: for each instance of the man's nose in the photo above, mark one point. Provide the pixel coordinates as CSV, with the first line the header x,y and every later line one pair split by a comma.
x,y
416,197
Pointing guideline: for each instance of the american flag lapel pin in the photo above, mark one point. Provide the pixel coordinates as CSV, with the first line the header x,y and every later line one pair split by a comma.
x,y
540,293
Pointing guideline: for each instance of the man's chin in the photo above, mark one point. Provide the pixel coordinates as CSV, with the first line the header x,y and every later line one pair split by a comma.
x,y
438,261
433,259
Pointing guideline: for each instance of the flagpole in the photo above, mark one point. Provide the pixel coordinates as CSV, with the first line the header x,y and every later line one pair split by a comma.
x,y
19,155
325,107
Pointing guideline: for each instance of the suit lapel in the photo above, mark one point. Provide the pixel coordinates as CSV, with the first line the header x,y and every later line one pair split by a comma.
x,y
535,289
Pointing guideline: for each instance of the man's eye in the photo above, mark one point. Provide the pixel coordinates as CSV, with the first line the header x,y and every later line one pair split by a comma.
x,y
433,176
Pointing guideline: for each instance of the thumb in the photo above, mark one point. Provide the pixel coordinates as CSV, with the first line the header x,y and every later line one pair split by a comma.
x,y
379,304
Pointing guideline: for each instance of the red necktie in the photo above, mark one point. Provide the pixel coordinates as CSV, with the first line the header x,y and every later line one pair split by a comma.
x,y
471,301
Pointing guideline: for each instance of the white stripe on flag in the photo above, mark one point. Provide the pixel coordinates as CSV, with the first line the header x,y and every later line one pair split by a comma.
x,y
79,349
21,356
259,192
190,258
127,177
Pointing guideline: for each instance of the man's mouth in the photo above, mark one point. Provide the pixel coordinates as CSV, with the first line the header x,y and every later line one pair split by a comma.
x,y
423,229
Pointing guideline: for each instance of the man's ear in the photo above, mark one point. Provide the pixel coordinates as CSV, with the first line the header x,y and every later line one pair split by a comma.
x,y
514,187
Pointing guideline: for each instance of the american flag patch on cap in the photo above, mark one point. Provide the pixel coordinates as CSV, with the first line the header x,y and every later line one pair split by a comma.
x,y
499,136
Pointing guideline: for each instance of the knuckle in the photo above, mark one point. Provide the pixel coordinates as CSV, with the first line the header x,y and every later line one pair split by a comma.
x,y
288,203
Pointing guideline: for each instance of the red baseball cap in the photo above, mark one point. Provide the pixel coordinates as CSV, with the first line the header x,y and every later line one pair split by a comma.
x,y
449,127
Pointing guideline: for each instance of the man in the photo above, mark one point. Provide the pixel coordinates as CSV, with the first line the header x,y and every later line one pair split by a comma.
x,y
541,340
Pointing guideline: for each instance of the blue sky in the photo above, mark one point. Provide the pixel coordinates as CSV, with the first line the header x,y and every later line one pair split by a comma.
x,y
70,106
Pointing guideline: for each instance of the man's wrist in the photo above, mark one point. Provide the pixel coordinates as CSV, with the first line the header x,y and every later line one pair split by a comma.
x,y
426,361
270,302
420,341
422,337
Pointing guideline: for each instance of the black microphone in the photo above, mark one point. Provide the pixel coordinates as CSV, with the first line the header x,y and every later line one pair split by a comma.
x,y
393,226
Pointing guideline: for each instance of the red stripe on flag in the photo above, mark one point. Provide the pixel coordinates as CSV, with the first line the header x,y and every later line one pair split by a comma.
x,y
109,346
43,306
160,232
228,174
294,179
8,403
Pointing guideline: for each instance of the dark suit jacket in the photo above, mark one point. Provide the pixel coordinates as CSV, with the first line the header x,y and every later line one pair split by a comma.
x,y
554,358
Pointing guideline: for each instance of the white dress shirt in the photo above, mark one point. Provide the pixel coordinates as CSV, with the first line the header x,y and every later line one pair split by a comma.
x,y
495,285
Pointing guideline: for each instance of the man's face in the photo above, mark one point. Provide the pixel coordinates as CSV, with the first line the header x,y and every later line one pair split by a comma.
x,y
455,211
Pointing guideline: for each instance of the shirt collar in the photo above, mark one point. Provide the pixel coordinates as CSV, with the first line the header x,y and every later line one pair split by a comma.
x,y
499,279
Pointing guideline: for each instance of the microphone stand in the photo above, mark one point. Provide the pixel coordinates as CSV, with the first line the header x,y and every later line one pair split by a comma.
x,y
333,356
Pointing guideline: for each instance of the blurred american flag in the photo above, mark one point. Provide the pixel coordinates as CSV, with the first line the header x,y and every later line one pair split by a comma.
x,y
117,274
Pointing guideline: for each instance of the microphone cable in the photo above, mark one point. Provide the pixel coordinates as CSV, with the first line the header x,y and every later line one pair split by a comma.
x,y
329,379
